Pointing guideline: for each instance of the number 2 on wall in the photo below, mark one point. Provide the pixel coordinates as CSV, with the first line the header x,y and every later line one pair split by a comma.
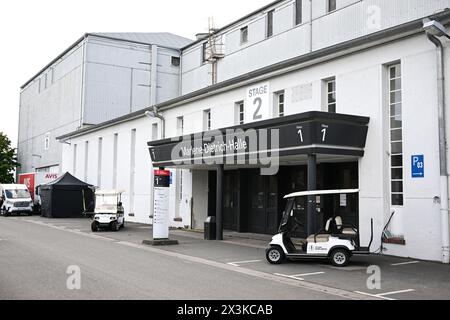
x,y
257,115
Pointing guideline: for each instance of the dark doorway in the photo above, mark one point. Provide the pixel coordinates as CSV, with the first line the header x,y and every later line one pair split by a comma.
x,y
263,215
339,176
212,190
231,200
255,203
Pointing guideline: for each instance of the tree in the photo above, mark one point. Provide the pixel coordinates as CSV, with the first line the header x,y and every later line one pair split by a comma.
x,y
8,160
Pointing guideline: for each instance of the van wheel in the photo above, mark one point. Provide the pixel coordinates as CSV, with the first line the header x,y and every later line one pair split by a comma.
x,y
94,227
275,255
340,258
2,211
115,226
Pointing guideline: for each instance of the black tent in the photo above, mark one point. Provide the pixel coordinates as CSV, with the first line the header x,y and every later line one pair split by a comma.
x,y
66,197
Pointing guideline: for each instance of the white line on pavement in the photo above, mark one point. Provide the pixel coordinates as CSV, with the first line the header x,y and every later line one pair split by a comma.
x,y
258,274
292,282
309,274
237,264
298,276
405,263
383,295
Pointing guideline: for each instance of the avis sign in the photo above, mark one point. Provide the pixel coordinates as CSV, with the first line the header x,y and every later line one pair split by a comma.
x,y
257,103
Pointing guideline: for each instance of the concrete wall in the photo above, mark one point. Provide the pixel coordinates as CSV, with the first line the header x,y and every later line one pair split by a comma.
x,y
99,80
50,106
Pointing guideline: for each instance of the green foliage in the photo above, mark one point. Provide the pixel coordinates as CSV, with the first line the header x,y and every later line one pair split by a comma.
x,y
8,160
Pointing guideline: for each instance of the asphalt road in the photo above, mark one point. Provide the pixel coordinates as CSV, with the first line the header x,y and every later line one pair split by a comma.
x,y
34,260
36,252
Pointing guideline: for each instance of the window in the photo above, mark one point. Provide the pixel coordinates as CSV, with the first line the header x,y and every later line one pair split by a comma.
x,y
331,5
181,185
239,113
204,52
47,141
86,160
396,134
269,31
279,99
244,35
155,132
207,120
331,95
176,61
99,162
115,159
74,161
180,126
132,168
298,12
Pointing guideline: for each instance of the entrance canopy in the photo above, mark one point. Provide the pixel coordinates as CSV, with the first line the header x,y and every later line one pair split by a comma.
x,y
307,133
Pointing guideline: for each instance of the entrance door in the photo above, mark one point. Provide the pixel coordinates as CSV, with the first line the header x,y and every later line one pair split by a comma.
x,y
230,200
263,213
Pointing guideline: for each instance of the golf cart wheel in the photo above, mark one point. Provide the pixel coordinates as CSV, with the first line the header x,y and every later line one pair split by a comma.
x,y
275,255
115,226
94,227
340,257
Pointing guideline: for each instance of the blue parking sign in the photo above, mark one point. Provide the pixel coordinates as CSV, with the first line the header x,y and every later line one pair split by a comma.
x,y
418,166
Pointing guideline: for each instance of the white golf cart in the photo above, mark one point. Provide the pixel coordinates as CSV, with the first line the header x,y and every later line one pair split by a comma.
x,y
109,212
337,243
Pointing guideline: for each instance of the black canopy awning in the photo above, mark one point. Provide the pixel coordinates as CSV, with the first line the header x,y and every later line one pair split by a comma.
x,y
301,134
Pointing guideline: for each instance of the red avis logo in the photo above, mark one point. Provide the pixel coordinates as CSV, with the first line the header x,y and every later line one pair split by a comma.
x,y
27,182
51,176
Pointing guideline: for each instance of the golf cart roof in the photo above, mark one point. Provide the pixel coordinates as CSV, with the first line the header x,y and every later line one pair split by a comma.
x,y
108,192
320,193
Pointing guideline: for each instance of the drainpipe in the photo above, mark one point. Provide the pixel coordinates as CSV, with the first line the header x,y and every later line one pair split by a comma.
x,y
442,149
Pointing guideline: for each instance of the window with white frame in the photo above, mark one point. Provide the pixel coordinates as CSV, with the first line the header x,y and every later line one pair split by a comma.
x,y
279,101
204,52
239,113
207,120
269,31
244,35
331,5
180,126
298,12
155,132
330,86
396,134
180,195
74,161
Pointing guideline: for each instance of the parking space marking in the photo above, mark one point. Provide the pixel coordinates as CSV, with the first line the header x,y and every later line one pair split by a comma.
x,y
405,263
238,264
249,272
383,295
299,276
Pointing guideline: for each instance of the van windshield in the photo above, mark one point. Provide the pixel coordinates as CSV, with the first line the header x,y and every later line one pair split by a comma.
x,y
17,194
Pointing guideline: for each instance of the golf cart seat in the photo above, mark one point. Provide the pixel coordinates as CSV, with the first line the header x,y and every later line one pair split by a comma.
x,y
343,229
320,238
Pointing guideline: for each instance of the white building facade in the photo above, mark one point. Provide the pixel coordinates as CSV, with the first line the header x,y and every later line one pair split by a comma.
x,y
367,59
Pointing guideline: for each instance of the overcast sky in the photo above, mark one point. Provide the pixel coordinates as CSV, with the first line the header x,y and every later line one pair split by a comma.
x,y
34,32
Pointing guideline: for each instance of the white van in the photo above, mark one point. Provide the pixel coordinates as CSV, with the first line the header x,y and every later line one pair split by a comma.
x,y
15,199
